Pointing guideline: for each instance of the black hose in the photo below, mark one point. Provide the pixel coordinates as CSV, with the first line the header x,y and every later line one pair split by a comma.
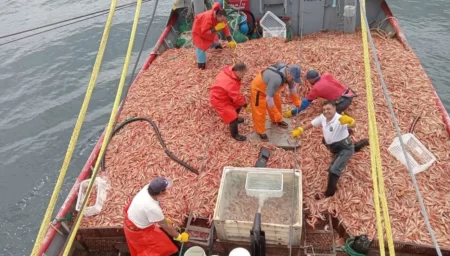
x,y
161,141
253,24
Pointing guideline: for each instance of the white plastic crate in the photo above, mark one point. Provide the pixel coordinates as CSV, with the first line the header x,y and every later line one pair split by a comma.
x,y
101,186
420,157
274,33
272,25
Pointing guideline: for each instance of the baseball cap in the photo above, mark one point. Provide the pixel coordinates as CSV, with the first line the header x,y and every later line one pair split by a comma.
x,y
159,184
312,74
295,72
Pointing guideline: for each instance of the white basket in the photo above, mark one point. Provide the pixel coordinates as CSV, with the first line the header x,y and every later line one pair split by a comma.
x,y
101,186
420,157
274,33
264,184
272,25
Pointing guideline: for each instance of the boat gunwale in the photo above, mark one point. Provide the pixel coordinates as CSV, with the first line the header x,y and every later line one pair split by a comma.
x,y
87,168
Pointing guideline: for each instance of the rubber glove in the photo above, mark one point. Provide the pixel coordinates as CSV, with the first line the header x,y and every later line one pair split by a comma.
x,y
248,109
183,237
219,26
297,132
346,120
232,45
169,221
287,114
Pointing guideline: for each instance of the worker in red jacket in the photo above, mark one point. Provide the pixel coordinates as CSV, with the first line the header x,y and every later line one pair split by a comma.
x,y
328,88
204,32
227,99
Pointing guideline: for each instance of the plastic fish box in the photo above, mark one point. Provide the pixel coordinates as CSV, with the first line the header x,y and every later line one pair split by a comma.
x,y
235,210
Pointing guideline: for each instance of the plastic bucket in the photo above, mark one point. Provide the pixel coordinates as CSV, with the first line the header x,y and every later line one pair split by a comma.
x,y
195,251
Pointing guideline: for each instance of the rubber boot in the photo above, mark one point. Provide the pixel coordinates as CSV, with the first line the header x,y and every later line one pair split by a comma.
x,y
283,124
264,137
234,131
361,144
218,47
201,65
240,120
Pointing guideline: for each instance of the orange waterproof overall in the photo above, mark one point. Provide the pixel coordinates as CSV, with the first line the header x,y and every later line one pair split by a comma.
x,y
259,105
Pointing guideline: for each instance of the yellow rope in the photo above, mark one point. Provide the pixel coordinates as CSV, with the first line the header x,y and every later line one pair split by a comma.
x,y
76,132
375,157
109,128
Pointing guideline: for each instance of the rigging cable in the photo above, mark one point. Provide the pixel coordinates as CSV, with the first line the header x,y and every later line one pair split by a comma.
x,y
109,129
99,13
397,129
76,132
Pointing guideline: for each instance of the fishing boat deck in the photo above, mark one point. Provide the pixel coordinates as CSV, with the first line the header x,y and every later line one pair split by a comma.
x,y
174,93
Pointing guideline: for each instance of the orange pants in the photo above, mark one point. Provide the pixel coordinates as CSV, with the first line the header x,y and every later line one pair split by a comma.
x,y
259,105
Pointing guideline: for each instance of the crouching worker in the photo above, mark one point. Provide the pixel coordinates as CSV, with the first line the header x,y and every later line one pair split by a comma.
x,y
227,99
338,141
143,219
326,87
204,32
265,95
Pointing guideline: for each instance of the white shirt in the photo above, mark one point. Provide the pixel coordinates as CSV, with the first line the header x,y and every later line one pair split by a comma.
x,y
144,210
333,131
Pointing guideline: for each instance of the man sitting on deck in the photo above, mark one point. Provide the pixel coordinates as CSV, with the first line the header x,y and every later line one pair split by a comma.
x,y
204,32
338,141
227,99
142,214
265,95
328,88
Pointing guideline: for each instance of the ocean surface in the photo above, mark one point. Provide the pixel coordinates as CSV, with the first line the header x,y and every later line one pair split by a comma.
x,y
43,81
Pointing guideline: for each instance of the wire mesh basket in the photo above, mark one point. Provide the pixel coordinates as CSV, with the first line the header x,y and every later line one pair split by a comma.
x,y
267,184
272,26
420,157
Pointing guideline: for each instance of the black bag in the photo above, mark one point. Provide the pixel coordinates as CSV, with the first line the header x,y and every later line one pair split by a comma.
x,y
361,244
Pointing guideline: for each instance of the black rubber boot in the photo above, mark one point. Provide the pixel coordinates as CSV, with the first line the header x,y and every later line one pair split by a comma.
x,y
264,137
361,144
240,120
201,65
234,131
283,124
218,47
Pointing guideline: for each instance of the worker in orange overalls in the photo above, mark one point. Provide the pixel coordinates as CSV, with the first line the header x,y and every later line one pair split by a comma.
x,y
204,32
227,99
143,219
265,95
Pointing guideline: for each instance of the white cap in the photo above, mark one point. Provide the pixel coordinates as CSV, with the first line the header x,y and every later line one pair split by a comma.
x,y
239,252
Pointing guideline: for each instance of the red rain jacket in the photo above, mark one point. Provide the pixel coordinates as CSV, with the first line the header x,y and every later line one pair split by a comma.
x,y
202,36
151,241
225,94
328,87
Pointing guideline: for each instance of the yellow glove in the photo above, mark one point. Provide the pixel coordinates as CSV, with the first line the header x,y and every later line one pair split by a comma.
x,y
344,119
297,132
248,109
169,221
220,26
232,45
287,114
183,237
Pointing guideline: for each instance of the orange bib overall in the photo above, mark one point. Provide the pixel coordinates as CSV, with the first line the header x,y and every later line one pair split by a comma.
x,y
259,105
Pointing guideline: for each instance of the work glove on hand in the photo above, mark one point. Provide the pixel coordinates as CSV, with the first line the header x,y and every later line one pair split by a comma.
x,y
183,237
287,114
248,108
297,132
232,45
169,221
344,119
220,26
